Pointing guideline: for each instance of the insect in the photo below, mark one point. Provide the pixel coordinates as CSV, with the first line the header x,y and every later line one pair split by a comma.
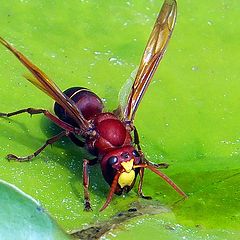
x,y
110,136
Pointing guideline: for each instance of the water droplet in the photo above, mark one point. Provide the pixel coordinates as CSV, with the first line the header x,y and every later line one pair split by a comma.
x,y
194,68
112,59
209,22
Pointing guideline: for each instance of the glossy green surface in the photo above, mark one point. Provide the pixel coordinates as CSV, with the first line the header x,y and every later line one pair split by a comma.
x,y
165,227
188,118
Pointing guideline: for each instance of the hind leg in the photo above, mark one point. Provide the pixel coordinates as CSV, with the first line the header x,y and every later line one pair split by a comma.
x,y
33,111
50,141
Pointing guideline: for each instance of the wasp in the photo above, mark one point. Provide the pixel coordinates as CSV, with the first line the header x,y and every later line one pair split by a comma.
x,y
110,136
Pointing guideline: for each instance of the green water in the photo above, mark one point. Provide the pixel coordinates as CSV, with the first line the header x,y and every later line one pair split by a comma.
x,y
189,117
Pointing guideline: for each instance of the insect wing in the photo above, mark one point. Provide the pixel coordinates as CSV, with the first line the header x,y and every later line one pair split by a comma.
x,y
153,53
41,80
123,95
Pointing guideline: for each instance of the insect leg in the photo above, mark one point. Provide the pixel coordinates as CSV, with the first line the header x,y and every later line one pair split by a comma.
x,y
87,205
140,192
137,142
50,116
136,139
157,165
75,140
141,171
50,141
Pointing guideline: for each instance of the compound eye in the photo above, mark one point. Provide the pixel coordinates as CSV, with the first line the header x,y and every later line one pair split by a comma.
x,y
112,160
135,153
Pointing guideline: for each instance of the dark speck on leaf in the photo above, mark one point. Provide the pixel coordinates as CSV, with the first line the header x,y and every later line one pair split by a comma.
x,y
120,214
40,209
132,210
136,209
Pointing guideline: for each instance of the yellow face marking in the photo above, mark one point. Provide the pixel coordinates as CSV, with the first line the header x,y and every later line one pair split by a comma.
x,y
128,165
126,178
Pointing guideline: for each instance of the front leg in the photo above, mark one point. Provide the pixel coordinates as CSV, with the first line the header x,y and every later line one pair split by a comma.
x,y
136,139
144,160
86,163
141,173
140,192
87,205
137,143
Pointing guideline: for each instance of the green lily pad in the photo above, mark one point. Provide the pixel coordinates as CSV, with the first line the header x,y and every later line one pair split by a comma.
x,y
22,217
164,227
189,117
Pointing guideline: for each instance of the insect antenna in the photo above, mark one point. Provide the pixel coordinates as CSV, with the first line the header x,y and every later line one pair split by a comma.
x,y
163,176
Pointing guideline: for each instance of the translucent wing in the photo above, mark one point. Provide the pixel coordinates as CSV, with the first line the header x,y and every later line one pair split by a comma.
x,y
153,53
41,81
126,89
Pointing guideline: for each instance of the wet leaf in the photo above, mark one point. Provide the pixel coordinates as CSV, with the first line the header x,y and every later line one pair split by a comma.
x,y
189,117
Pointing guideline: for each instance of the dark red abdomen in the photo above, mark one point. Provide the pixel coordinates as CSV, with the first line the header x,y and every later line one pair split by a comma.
x,y
86,101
